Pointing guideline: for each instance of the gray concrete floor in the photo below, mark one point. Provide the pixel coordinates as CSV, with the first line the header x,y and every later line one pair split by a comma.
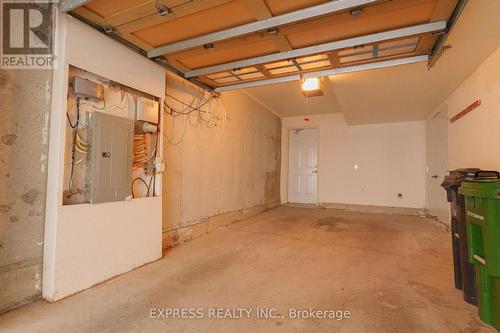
x,y
392,272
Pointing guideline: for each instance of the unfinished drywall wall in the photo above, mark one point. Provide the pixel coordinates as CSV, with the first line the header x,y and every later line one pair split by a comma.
x,y
390,159
222,165
24,121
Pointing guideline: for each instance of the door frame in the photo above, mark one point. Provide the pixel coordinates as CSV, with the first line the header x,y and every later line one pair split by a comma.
x,y
286,172
436,207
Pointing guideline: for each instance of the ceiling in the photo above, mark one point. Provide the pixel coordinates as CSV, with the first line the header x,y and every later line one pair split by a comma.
x,y
203,41
287,99
402,93
289,37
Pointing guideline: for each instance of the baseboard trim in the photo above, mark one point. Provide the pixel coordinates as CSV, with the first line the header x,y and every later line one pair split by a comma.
x,y
182,234
375,209
446,226
301,205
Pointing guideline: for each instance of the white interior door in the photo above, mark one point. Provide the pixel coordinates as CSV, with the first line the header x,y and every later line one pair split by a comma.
x,y
302,167
437,165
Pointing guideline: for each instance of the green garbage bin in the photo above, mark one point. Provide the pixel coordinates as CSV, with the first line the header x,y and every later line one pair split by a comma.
x,y
464,271
482,206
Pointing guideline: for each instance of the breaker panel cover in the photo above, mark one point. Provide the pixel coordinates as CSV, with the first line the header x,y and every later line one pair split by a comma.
x,y
109,177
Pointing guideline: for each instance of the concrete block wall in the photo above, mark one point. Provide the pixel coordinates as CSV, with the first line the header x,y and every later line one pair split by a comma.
x,y
221,173
25,99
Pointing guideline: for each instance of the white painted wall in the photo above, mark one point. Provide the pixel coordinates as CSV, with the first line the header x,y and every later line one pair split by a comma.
x,y
473,139
390,159
87,244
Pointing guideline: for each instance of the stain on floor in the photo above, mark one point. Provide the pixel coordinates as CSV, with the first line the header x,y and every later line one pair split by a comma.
x,y
331,223
9,139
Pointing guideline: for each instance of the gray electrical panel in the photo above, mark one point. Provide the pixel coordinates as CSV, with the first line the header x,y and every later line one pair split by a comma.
x,y
109,177
87,89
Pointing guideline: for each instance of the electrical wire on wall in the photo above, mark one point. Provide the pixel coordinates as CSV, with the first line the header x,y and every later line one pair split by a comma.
x,y
142,160
141,156
203,113
140,151
175,113
89,94
78,145
105,106
145,185
155,154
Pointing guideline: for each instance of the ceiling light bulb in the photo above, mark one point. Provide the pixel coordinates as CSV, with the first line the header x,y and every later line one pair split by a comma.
x,y
310,84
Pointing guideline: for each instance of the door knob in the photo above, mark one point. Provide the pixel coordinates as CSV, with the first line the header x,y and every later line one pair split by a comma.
x,y
435,176
315,171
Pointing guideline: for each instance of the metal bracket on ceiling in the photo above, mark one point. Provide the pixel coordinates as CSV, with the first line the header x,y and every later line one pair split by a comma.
x,y
209,47
296,64
272,31
439,47
375,51
164,10
107,29
438,33
440,54
356,11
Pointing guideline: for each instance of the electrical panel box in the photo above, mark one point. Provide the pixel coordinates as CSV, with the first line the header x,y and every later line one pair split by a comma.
x,y
87,89
147,110
109,177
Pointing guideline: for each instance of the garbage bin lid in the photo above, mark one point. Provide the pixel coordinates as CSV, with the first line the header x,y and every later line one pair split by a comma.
x,y
485,188
464,172
455,178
